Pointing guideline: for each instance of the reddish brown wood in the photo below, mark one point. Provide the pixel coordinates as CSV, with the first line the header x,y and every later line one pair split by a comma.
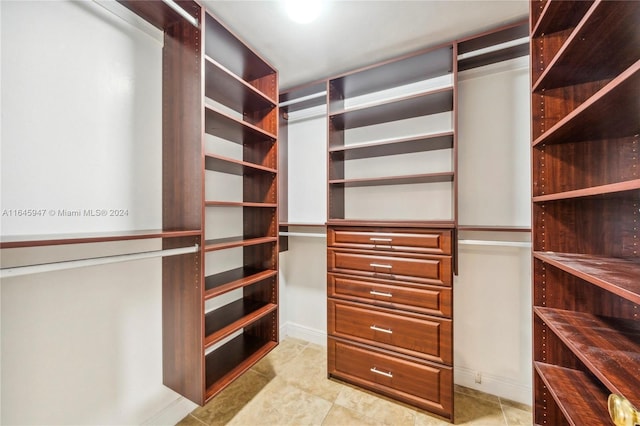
x,y
160,14
222,164
565,384
230,318
426,299
394,180
417,335
231,242
224,282
386,223
553,16
426,385
433,241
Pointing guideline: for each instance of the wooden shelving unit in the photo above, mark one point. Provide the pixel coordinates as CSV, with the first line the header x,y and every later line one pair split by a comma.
x,y
208,343
586,193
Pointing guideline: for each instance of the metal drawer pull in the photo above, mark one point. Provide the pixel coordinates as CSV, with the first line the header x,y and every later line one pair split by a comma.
x,y
379,293
381,240
384,330
378,265
621,411
382,373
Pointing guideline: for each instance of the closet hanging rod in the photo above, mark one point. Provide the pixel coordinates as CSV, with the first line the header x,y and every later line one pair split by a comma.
x,y
303,99
303,234
306,116
92,261
525,244
495,48
180,11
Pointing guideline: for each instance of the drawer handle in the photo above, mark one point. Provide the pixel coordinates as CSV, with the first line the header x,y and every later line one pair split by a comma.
x,y
384,330
380,293
379,265
621,411
381,240
382,373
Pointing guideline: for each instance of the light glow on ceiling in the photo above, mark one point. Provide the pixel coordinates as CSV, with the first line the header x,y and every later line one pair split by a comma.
x,y
303,11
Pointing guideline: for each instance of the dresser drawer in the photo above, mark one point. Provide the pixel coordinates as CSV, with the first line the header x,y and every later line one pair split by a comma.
x,y
427,299
434,241
413,334
422,384
417,268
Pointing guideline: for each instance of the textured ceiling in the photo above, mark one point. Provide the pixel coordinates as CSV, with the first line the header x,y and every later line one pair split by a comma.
x,y
351,34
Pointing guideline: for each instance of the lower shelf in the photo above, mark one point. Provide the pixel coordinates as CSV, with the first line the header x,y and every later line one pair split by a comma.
x,y
581,402
229,361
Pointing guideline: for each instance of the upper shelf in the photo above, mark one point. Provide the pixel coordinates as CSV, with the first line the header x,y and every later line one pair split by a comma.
x,y
593,118
232,166
160,14
602,45
229,51
232,129
394,180
431,102
419,143
559,15
308,96
618,276
16,241
494,46
394,73
612,189
228,89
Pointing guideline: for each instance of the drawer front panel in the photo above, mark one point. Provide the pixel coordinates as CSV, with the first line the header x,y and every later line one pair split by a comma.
x,y
412,334
430,270
421,384
427,299
434,241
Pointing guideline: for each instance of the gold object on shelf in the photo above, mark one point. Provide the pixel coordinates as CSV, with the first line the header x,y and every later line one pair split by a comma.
x,y
621,411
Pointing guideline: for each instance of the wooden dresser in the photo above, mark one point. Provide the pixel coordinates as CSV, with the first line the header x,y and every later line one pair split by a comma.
x,y
390,312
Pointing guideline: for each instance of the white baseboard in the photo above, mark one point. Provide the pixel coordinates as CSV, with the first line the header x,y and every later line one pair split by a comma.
x,y
172,413
494,385
298,331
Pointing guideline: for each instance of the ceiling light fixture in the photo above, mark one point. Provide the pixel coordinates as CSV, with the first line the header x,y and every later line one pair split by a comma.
x,y
303,11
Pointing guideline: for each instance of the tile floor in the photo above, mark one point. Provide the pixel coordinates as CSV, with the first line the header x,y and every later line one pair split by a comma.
x,y
290,387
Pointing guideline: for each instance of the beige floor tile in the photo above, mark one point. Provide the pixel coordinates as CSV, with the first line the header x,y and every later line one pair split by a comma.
x,y
423,419
228,403
282,404
308,371
380,409
477,412
278,359
190,421
517,417
514,404
341,416
476,393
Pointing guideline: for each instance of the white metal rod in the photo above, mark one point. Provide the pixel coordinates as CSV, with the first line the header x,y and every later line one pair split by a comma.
x,y
79,263
495,243
301,117
180,11
302,234
303,99
495,48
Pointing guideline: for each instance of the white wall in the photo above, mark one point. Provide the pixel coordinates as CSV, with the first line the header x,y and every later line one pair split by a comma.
x,y
81,110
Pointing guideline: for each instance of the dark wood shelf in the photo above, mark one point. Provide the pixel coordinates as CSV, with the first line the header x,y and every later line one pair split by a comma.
x,y
611,189
232,166
235,55
223,282
595,50
396,72
419,143
230,318
239,204
431,102
234,130
308,96
581,402
161,15
494,43
230,90
609,347
17,241
302,224
231,242
447,224
228,362
560,15
618,276
394,180
594,119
